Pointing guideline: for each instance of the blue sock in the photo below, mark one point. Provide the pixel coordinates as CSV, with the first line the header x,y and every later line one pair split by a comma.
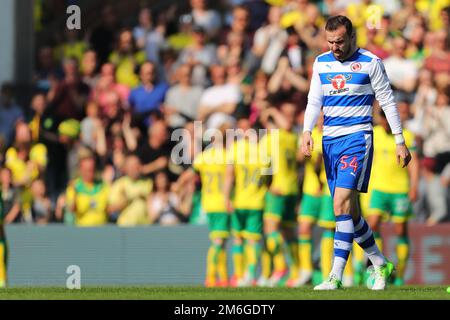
x,y
343,240
365,239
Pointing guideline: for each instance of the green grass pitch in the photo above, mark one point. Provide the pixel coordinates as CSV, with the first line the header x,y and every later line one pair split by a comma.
x,y
200,293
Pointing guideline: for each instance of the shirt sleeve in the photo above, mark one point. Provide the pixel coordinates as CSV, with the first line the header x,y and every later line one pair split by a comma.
x,y
384,95
315,98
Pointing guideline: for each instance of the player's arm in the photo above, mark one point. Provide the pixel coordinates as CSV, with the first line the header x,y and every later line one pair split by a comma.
x,y
383,93
279,119
414,174
228,186
312,111
184,178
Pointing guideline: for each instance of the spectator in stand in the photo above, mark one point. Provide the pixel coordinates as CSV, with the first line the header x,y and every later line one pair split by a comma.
x,y
182,100
38,106
47,71
127,58
41,206
436,149
154,153
401,71
143,29
239,26
86,196
27,162
219,101
199,55
10,113
90,126
128,196
72,47
375,46
102,36
439,60
184,37
269,41
148,97
89,68
209,19
164,205
68,97
107,85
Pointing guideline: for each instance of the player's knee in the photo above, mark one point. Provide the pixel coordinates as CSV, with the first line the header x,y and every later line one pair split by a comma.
x,y
218,241
341,206
305,228
400,229
238,241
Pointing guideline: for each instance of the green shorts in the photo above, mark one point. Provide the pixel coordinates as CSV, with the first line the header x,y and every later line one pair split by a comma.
x,y
317,209
395,206
281,208
219,225
247,224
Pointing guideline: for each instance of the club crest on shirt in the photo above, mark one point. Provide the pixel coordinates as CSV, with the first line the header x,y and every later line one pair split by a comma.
x,y
338,82
355,66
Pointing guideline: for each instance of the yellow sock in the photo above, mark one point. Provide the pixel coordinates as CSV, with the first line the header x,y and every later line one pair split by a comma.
x,y
3,274
238,260
279,262
402,255
293,259
266,264
211,264
305,253
326,252
274,243
222,269
251,259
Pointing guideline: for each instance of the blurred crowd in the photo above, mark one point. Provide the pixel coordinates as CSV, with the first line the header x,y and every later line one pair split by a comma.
x,y
96,135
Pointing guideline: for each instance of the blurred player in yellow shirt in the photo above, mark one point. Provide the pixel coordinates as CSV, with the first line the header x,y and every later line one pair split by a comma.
x,y
393,189
248,174
211,166
280,223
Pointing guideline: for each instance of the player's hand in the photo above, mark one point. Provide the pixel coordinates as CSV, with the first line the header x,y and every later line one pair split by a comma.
x,y
413,194
403,155
307,144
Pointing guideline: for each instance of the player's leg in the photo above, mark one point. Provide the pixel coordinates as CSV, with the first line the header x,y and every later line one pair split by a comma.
x,y
274,238
252,234
343,237
308,214
359,259
290,227
219,225
326,221
237,228
401,211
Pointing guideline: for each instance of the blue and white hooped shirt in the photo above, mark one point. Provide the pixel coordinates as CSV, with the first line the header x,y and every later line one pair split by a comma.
x,y
346,90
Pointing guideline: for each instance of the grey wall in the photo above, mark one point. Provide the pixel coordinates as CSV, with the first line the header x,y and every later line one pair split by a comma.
x,y
109,255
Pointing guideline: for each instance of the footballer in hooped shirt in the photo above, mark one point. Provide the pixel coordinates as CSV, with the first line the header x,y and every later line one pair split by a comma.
x,y
345,82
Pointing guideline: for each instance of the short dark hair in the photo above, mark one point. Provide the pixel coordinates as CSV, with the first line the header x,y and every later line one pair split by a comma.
x,y
333,23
